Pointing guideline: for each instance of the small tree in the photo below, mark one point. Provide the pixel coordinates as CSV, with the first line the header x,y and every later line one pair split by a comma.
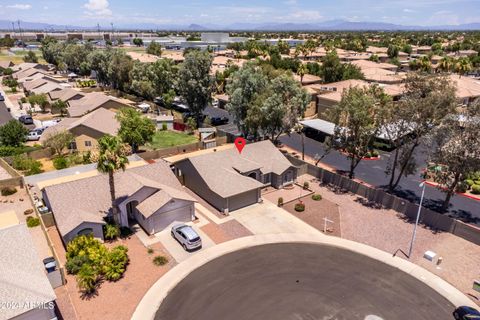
x,y
59,141
39,100
30,57
154,48
458,151
13,133
61,106
135,129
138,42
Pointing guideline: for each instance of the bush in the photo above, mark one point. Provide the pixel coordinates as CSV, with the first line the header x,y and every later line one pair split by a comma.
x,y
469,182
112,231
299,207
23,100
8,151
374,153
164,126
74,264
280,201
28,165
32,222
149,250
462,187
8,191
306,185
117,260
476,189
317,197
160,260
60,163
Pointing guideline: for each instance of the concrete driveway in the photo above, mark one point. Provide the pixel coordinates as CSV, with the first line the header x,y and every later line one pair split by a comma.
x,y
268,218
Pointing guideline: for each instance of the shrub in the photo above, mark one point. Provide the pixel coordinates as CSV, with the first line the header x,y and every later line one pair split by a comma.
x,y
317,197
164,126
462,187
28,165
280,201
160,260
476,189
8,191
112,231
306,185
23,100
87,278
117,261
368,155
374,153
74,264
299,207
60,163
32,222
469,182
8,151
149,250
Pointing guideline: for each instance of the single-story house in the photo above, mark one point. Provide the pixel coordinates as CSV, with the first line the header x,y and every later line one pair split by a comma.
x,y
24,73
93,101
6,64
29,65
230,180
87,129
24,283
149,194
66,95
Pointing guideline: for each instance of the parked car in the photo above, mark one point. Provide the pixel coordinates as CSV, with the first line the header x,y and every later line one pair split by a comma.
x,y
218,121
26,119
2,98
34,135
466,313
186,236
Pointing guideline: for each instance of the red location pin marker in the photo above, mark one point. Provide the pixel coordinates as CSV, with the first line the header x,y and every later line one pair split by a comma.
x,y
240,143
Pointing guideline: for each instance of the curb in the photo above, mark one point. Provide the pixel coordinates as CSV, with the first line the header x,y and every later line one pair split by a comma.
x,y
152,300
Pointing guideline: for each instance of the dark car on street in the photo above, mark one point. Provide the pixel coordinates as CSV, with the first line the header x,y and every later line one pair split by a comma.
x,y
2,98
466,313
26,119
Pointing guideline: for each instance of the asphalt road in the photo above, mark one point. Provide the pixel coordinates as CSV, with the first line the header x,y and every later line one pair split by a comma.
x,y
301,282
373,172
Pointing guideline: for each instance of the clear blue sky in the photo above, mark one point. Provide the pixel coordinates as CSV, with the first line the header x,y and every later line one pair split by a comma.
x,y
89,12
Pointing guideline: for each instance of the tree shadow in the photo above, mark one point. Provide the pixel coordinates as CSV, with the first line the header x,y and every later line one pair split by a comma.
x,y
88,295
369,204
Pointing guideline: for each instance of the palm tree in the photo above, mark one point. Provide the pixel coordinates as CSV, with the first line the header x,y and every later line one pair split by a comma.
x,y
446,64
301,71
463,66
425,64
111,157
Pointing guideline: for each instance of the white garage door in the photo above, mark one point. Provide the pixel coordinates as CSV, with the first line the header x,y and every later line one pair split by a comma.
x,y
160,221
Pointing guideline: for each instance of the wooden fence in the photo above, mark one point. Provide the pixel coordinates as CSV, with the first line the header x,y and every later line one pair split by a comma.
x,y
379,197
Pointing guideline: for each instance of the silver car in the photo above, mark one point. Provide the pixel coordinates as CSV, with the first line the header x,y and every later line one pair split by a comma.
x,y
187,236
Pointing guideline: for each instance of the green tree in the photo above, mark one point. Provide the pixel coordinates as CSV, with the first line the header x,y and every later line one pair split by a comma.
x,y
138,42
110,157
243,89
446,64
393,51
59,141
30,57
119,68
374,58
357,121
426,101
60,106
135,129
154,48
458,151
302,71
195,83
463,66
39,100
13,133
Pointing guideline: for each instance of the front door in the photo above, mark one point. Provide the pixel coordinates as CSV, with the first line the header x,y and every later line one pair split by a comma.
x,y
132,209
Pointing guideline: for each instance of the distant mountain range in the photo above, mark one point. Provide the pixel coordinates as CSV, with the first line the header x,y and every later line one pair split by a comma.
x,y
332,25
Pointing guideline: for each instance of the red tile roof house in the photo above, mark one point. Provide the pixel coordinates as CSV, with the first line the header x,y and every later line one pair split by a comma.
x,y
149,194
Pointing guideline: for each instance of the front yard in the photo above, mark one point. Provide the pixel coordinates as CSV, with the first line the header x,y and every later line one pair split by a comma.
x,y
166,139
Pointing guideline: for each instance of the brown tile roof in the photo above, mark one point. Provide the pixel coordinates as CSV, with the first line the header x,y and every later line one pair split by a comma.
x,y
101,120
65,94
90,102
220,170
89,199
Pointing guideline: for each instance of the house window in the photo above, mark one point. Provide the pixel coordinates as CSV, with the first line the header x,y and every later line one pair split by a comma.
x,y
72,145
88,143
85,232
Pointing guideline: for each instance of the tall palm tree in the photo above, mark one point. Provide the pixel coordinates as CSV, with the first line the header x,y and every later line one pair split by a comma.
x,y
301,71
425,64
446,64
111,157
463,66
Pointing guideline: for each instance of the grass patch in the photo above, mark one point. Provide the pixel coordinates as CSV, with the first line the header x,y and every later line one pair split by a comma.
x,y
167,139
160,260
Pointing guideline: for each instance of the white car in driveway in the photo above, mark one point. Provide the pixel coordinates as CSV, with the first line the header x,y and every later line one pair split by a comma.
x,y
187,237
34,135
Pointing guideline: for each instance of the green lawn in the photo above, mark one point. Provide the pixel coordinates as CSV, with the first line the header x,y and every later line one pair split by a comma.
x,y
166,139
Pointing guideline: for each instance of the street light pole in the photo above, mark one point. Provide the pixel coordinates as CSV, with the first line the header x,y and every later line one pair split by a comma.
x,y
422,185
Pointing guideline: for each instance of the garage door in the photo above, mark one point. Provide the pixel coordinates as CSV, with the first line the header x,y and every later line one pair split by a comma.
x,y
242,200
160,221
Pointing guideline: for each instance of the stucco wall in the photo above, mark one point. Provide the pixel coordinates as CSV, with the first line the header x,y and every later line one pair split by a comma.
x,y
190,178
178,210
96,227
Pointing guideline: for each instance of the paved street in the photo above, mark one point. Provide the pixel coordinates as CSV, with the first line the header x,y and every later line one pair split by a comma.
x,y
373,172
301,281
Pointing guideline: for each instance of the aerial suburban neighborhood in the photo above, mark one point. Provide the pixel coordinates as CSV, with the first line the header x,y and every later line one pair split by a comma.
x,y
270,160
